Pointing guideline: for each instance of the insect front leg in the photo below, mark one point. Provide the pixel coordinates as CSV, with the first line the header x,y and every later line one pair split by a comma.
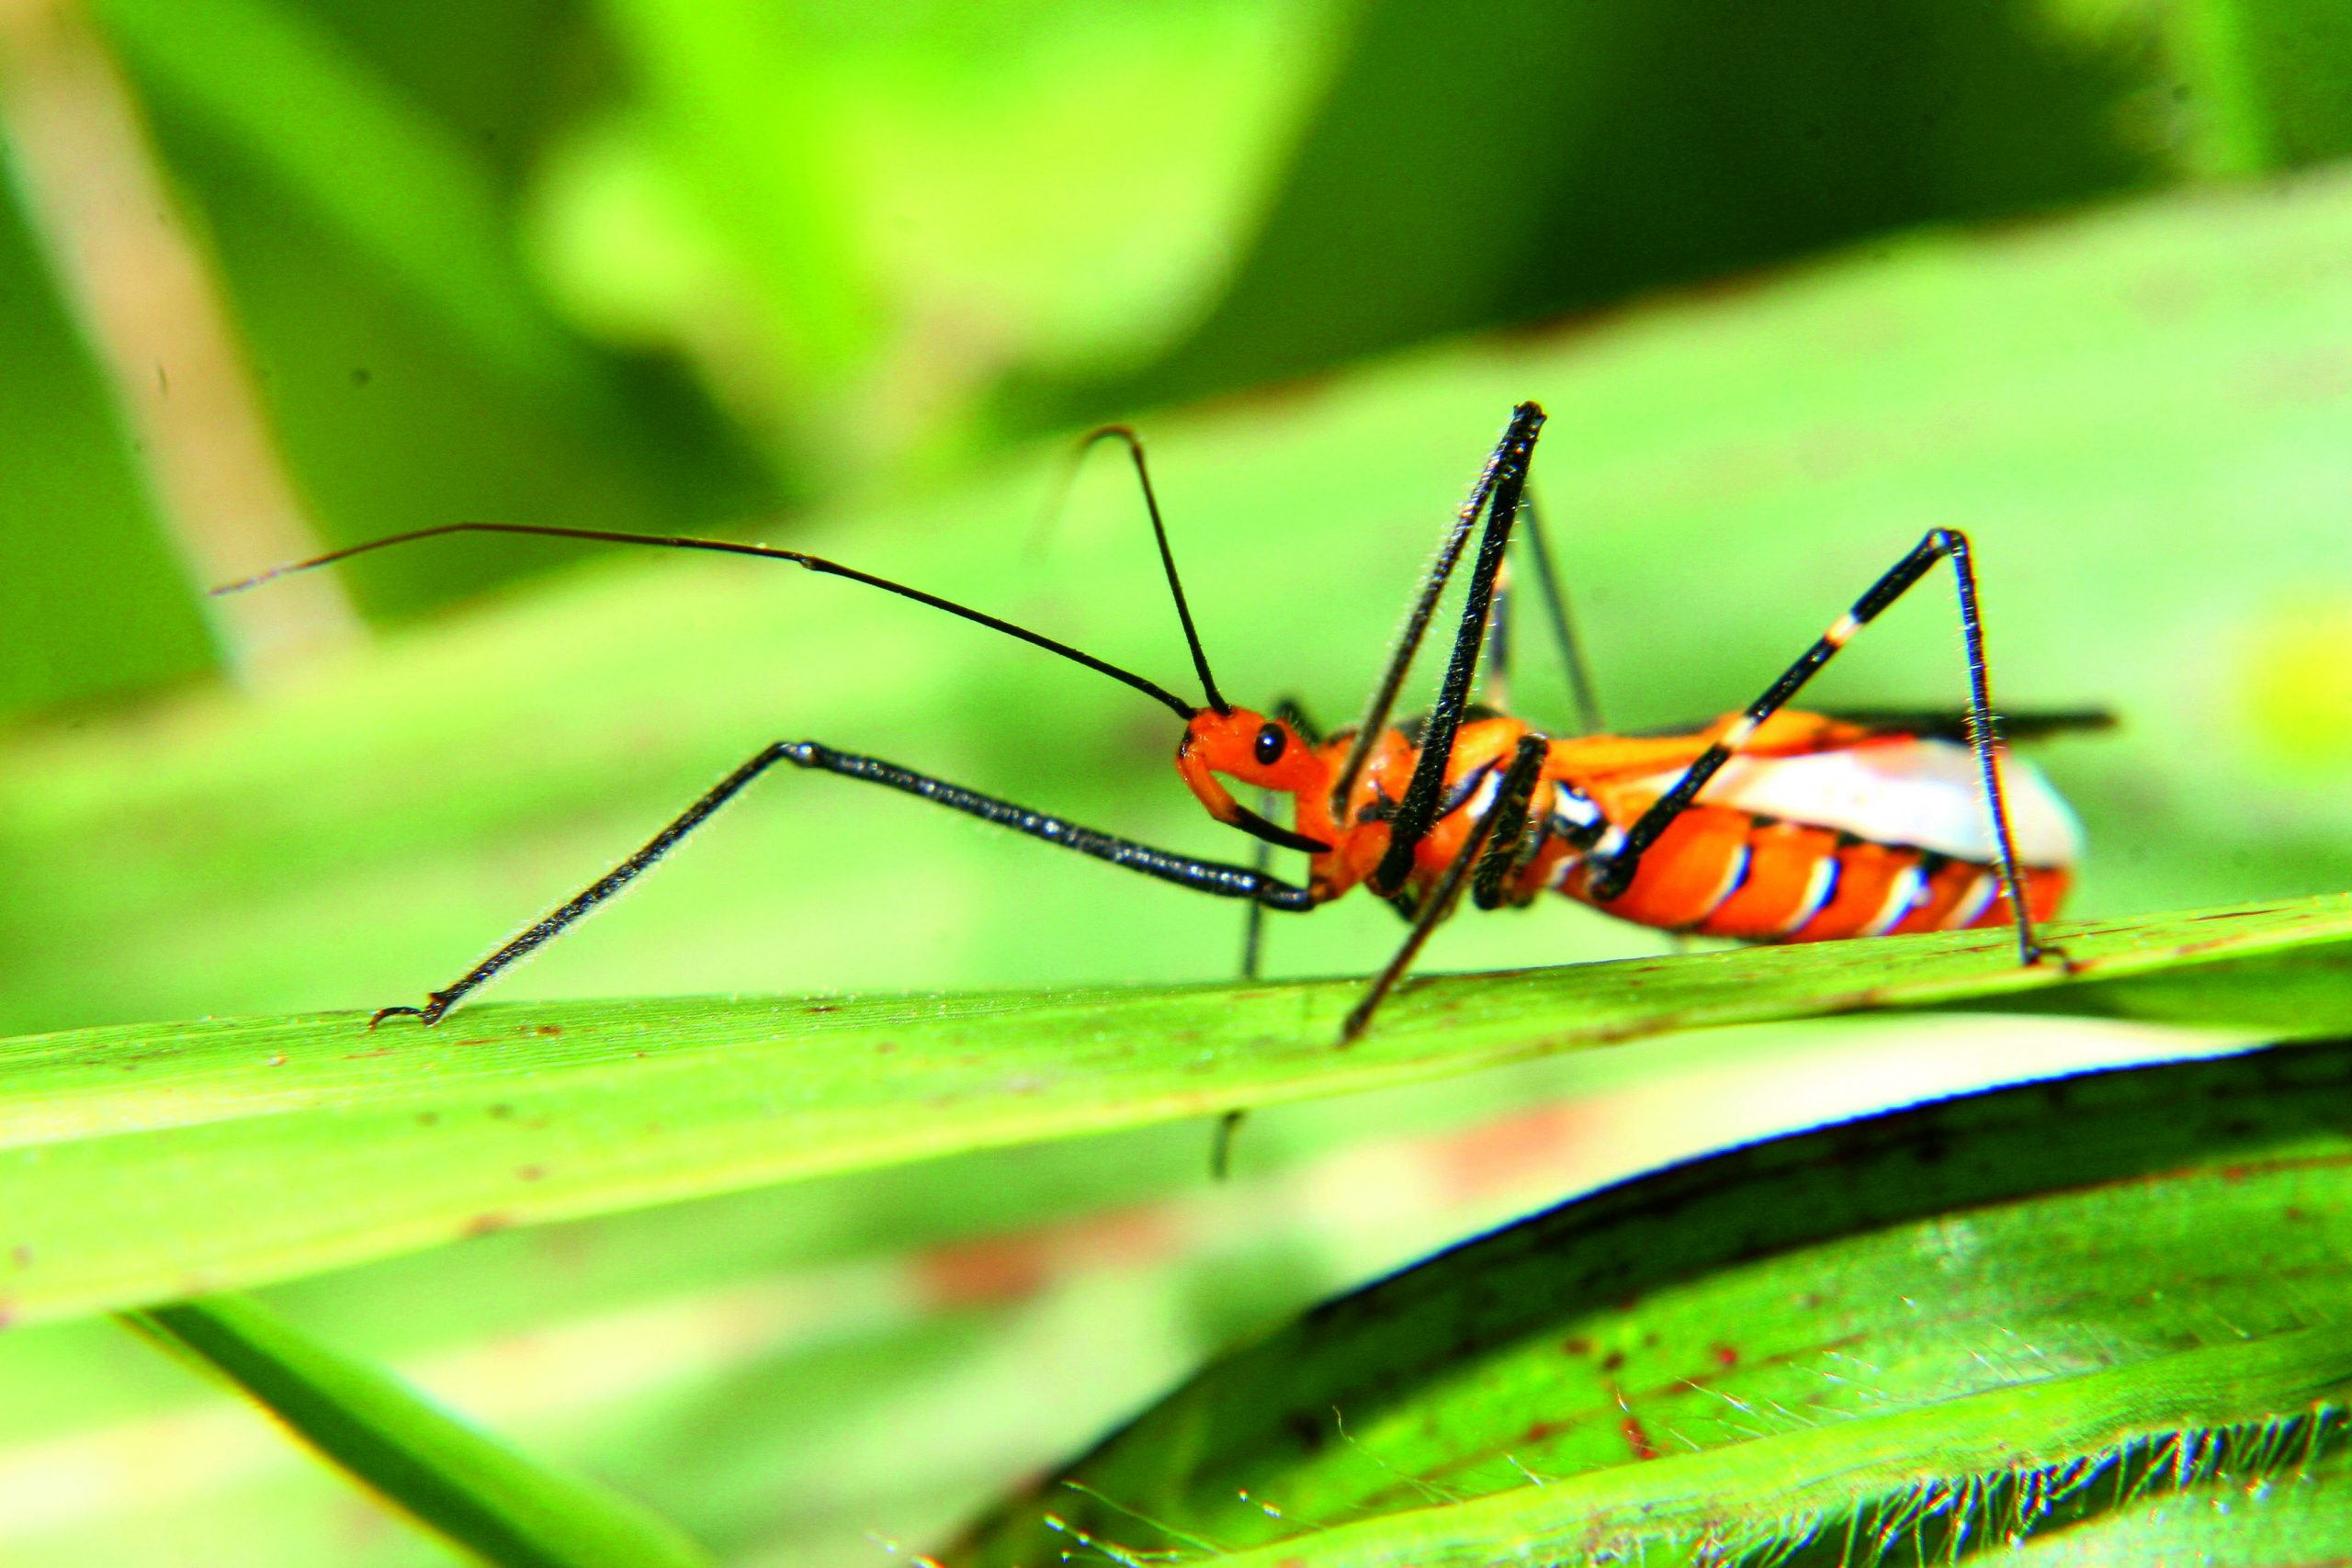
x,y
1201,875
1506,480
1616,861
1497,493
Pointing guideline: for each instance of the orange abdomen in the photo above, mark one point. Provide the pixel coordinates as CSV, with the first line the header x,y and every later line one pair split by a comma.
x,y
1720,871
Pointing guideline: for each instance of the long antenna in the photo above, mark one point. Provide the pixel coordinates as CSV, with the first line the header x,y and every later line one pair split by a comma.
x,y
1167,557
1151,689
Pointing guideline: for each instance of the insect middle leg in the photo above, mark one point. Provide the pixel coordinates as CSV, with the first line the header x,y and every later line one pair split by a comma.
x,y
1489,854
1186,871
1617,862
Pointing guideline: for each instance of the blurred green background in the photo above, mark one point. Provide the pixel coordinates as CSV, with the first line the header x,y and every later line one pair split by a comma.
x,y
1795,282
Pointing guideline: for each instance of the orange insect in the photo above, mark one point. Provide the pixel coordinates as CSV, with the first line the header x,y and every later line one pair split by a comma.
x,y
1768,824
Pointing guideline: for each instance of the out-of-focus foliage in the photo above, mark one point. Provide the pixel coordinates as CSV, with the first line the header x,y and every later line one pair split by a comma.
x,y
812,269
669,265
463,1483
635,266
90,596
1498,161
2267,77
361,184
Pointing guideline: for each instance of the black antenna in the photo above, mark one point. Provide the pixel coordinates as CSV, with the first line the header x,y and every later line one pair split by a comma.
x,y
1151,689
1167,557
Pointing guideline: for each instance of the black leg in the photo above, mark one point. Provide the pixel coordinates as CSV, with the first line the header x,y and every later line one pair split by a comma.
x,y
1253,919
1424,794
1253,927
1581,689
1494,677
1201,875
1506,468
1293,713
1493,842
1228,1128
1618,863
1515,835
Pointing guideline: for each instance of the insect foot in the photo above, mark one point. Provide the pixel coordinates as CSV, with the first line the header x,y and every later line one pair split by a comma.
x,y
436,1004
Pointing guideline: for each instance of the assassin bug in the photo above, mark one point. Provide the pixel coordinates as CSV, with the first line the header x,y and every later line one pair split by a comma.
x,y
1768,824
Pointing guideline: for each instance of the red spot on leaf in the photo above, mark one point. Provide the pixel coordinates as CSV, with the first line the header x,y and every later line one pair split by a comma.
x,y
974,1273
1138,1234
1502,1153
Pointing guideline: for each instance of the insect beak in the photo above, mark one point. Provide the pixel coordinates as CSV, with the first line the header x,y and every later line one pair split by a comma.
x,y
1212,793
1273,833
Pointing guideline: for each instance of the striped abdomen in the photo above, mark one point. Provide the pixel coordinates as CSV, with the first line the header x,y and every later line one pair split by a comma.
x,y
1724,872
1884,838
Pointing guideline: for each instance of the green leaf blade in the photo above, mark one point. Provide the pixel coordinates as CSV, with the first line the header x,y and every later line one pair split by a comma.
x,y
146,1163
462,1483
2095,1447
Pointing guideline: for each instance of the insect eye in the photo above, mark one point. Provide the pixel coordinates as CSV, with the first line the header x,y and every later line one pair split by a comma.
x,y
1270,740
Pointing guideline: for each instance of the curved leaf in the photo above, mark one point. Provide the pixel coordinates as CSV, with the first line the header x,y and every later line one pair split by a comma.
x,y
2094,1448
1985,1316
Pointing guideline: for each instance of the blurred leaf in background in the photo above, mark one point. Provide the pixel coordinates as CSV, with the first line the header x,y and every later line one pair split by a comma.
x,y
849,272
358,172
1497,161
662,268
635,265
93,603
1501,161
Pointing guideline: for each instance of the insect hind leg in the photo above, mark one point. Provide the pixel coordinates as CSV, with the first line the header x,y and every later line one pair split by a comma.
x,y
1616,863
